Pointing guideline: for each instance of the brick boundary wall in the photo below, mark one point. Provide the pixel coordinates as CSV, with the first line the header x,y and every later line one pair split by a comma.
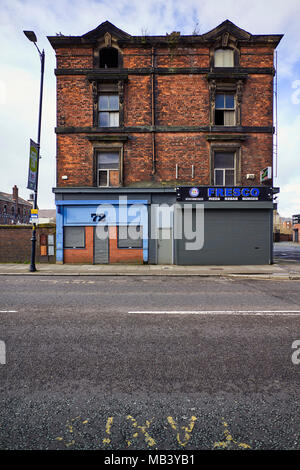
x,y
15,243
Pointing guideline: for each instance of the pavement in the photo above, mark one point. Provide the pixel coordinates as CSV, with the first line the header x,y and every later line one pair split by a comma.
x,y
276,271
284,268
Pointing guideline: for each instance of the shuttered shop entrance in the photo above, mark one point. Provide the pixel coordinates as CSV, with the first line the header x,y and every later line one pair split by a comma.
x,y
231,237
100,247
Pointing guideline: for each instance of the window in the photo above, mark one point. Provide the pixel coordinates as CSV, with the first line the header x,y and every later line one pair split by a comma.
x,y
74,237
224,168
108,168
225,109
108,107
224,58
130,236
108,57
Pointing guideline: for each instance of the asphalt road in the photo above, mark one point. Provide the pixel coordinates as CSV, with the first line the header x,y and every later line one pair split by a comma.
x,y
85,369
287,252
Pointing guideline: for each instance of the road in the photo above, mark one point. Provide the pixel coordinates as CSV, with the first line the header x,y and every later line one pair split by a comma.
x,y
115,363
287,251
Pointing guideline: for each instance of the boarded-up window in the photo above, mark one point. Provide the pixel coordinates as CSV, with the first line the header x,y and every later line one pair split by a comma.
x,y
74,237
130,236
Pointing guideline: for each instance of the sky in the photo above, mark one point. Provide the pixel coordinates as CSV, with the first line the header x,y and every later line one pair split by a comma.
x,y
20,72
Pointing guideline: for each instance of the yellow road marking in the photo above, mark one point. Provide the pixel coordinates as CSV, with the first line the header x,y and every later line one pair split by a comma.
x,y
229,441
149,440
187,429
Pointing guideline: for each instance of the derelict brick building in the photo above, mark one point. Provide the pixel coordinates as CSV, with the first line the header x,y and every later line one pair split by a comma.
x,y
173,120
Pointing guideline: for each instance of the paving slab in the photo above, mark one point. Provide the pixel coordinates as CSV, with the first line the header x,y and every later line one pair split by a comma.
x,y
278,271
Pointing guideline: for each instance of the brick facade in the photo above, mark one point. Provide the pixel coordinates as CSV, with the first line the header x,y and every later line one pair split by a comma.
x,y
138,116
166,104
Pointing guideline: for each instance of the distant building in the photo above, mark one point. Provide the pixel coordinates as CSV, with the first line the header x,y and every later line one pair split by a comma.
x,y
296,228
282,227
47,216
14,209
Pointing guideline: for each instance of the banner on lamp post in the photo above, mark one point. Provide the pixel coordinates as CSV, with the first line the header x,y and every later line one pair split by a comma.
x,y
33,165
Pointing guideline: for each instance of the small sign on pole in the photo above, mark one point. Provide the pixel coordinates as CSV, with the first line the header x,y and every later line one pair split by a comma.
x,y
266,174
34,216
33,165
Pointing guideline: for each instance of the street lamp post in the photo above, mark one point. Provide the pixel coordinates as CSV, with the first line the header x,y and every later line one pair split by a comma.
x,y
32,37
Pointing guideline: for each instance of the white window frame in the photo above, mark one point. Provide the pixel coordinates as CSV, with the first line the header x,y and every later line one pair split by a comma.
x,y
224,169
108,111
107,178
226,110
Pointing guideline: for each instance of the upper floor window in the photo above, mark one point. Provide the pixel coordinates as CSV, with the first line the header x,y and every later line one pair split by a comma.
x,y
108,108
108,168
224,58
108,57
225,109
224,168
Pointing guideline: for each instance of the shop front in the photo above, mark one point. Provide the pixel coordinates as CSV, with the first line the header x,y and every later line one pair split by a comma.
x,y
183,226
231,226
102,231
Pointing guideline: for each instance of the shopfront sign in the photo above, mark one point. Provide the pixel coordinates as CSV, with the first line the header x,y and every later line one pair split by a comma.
x,y
224,193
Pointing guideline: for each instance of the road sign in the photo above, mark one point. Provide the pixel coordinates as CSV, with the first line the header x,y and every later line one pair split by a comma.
x,y
34,216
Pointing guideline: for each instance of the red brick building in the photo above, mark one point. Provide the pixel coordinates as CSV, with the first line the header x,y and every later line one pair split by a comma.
x,y
296,228
143,116
14,209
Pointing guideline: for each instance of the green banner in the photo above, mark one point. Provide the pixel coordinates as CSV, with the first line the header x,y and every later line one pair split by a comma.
x,y
33,165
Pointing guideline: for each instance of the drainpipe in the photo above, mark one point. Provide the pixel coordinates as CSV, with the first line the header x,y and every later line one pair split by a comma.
x,y
153,112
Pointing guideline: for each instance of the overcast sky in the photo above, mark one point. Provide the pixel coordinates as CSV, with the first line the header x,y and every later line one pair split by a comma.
x,y
20,72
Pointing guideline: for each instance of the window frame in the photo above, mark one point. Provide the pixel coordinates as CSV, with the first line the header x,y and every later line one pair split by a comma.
x,y
224,109
108,110
236,150
224,169
224,49
112,148
107,86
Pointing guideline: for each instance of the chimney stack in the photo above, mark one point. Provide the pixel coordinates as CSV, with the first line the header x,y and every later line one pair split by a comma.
x,y
15,194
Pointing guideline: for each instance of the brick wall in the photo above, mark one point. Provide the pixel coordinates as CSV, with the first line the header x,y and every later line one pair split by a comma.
x,y
15,243
122,255
181,100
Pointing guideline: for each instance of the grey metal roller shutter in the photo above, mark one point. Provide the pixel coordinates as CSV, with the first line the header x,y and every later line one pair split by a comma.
x,y
100,249
231,237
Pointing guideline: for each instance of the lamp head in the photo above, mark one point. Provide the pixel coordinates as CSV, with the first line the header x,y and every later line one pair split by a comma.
x,y
30,35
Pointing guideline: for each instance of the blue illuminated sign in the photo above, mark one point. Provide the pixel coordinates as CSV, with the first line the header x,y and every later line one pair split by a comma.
x,y
225,193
